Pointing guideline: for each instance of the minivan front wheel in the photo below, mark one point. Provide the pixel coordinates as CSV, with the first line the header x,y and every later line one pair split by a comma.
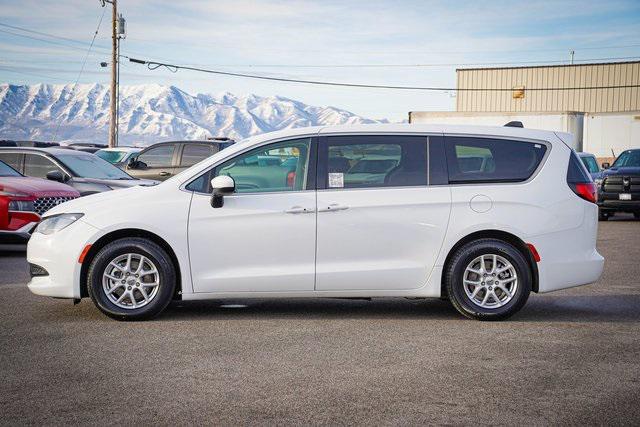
x,y
131,279
488,279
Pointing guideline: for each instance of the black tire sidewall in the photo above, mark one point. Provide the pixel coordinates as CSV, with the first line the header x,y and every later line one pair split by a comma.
x,y
468,253
140,246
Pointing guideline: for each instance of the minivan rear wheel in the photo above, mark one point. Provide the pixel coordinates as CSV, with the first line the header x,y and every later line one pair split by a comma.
x,y
488,279
131,279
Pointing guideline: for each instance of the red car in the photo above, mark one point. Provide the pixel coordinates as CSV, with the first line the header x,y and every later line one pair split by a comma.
x,y
23,200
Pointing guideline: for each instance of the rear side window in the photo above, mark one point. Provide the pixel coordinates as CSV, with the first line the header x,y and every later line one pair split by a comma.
x,y
591,164
12,159
372,161
576,172
194,153
473,160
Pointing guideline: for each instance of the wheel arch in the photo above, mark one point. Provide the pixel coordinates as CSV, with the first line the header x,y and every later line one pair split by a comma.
x,y
122,233
514,240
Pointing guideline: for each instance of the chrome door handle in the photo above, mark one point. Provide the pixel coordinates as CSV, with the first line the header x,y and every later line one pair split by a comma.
x,y
299,210
164,173
334,207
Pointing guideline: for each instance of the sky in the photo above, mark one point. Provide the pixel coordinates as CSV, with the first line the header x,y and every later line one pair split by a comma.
x,y
366,42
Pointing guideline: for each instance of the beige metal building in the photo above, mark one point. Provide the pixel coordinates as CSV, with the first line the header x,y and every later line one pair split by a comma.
x,y
524,80
604,121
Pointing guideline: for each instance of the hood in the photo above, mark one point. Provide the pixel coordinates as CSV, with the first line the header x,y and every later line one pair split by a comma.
x,y
119,183
80,205
627,170
36,187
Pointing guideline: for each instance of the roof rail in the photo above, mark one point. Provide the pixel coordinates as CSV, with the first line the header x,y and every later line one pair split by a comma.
x,y
514,124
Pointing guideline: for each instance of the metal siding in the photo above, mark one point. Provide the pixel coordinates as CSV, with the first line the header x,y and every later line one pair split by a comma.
x,y
593,100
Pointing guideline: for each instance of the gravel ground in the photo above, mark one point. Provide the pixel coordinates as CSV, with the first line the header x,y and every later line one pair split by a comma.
x,y
570,357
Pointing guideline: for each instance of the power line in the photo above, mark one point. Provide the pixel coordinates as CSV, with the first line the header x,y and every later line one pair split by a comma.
x,y
41,33
152,65
43,40
84,62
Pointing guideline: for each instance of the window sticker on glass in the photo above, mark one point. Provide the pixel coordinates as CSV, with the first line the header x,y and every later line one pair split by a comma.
x,y
336,180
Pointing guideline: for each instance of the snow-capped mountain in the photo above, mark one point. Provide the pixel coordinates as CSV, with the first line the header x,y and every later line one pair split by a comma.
x,y
150,113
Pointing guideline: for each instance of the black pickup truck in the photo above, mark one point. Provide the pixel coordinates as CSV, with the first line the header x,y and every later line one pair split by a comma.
x,y
619,190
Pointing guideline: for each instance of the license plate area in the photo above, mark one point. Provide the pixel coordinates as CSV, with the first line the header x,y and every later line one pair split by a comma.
x,y
624,196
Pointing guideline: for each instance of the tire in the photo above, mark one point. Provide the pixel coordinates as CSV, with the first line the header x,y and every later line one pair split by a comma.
x,y
636,215
138,296
603,216
499,304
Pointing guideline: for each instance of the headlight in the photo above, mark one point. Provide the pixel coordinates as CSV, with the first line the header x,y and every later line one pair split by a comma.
x,y
10,194
21,205
54,223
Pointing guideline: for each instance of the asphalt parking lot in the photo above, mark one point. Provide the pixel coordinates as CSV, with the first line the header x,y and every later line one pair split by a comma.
x,y
571,357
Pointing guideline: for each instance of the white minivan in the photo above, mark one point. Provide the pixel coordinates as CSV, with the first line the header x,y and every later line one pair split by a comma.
x,y
482,216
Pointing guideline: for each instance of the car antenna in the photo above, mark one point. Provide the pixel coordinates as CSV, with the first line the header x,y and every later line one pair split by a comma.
x,y
514,124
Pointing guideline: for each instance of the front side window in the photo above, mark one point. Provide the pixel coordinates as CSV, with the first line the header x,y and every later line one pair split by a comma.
x,y
471,159
194,153
282,166
374,161
158,157
38,166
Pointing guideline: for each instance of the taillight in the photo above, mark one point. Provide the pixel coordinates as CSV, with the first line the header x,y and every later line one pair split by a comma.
x,y
291,179
580,181
588,191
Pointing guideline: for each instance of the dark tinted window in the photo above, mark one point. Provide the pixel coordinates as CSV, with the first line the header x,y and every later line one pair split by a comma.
x,y
38,166
373,161
576,172
491,160
158,157
194,153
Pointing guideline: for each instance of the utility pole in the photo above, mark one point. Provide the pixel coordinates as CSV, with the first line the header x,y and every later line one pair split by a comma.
x,y
113,93
571,52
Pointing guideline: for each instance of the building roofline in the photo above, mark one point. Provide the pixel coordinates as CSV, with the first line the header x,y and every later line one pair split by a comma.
x,y
588,64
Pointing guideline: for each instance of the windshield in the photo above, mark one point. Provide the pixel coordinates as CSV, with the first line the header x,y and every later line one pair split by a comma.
x,y
628,159
111,156
6,170
91,166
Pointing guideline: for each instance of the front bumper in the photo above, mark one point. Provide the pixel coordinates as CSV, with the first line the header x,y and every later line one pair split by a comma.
x,y
19,236
58,254
620,205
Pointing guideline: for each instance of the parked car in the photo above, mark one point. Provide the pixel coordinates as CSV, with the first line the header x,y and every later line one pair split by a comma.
x,y
118,156
87,147
85,172
433,227
23,200
619,189
163,160
592,166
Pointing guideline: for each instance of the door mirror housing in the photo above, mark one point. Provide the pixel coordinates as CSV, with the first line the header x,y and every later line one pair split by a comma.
x,y
57,176
606,165
222,185
133,162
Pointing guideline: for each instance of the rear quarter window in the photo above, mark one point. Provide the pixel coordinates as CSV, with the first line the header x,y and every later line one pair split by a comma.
x,y
476,160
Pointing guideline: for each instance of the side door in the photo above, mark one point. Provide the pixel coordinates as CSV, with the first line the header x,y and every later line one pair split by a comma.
x,y
193,153
155,163
380,222
264,237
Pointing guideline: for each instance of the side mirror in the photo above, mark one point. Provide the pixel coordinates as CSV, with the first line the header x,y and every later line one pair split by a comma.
x,y
222,185
56,176
606,165
133,163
